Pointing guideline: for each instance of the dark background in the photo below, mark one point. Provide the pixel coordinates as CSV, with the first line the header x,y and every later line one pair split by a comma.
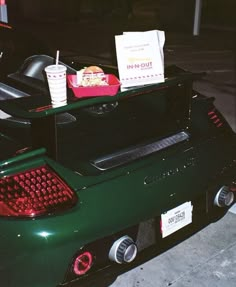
x,y
171,14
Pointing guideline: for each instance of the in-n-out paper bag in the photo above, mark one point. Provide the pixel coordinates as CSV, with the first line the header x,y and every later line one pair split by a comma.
x,y
140,57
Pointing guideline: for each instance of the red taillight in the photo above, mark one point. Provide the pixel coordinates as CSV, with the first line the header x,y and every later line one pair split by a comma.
x,y
83,263
35,192
215,119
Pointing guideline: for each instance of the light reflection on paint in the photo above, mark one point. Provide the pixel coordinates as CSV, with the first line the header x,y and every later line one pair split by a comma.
x,y
44,234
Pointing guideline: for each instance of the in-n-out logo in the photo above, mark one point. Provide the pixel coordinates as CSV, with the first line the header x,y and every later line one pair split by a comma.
x,y
140,66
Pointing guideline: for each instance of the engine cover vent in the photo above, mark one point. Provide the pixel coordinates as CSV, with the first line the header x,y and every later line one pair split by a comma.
x,y
127,155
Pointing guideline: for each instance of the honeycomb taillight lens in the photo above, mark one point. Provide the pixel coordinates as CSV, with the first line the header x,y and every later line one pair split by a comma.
x,y
35,192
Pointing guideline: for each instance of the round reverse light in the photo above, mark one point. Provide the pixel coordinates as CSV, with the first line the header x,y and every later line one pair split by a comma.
x,y
83,263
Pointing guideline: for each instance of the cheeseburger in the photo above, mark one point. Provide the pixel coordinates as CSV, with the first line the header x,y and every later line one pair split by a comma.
x,y
91,76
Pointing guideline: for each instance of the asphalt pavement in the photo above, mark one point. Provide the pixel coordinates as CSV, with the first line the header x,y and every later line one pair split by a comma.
x,y
208,258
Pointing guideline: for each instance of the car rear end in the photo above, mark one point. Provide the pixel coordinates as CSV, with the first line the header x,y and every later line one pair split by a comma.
x,y
132,177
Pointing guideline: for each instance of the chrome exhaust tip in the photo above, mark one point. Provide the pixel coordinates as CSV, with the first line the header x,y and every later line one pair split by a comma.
x,y
224,197
123,250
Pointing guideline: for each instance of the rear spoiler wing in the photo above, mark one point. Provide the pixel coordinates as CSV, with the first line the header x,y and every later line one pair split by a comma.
x,y
38,110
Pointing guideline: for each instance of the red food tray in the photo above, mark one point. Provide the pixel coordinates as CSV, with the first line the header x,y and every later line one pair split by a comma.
x,y
83,92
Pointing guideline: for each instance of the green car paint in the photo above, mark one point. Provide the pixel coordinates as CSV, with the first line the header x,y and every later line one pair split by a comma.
x,y
40,251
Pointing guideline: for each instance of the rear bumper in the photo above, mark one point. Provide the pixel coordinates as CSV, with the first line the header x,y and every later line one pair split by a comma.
x,y
106,275
40,253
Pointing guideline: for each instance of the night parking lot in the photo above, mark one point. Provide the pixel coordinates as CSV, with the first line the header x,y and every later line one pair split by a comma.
x,y
207,258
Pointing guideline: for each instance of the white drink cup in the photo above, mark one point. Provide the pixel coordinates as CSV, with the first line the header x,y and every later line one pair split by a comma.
x,y
56,76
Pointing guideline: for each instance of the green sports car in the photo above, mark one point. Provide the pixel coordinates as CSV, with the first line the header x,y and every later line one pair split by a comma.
x,y
93,188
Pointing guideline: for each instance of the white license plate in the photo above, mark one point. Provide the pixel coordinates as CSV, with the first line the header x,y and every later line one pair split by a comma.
x,y
176,218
